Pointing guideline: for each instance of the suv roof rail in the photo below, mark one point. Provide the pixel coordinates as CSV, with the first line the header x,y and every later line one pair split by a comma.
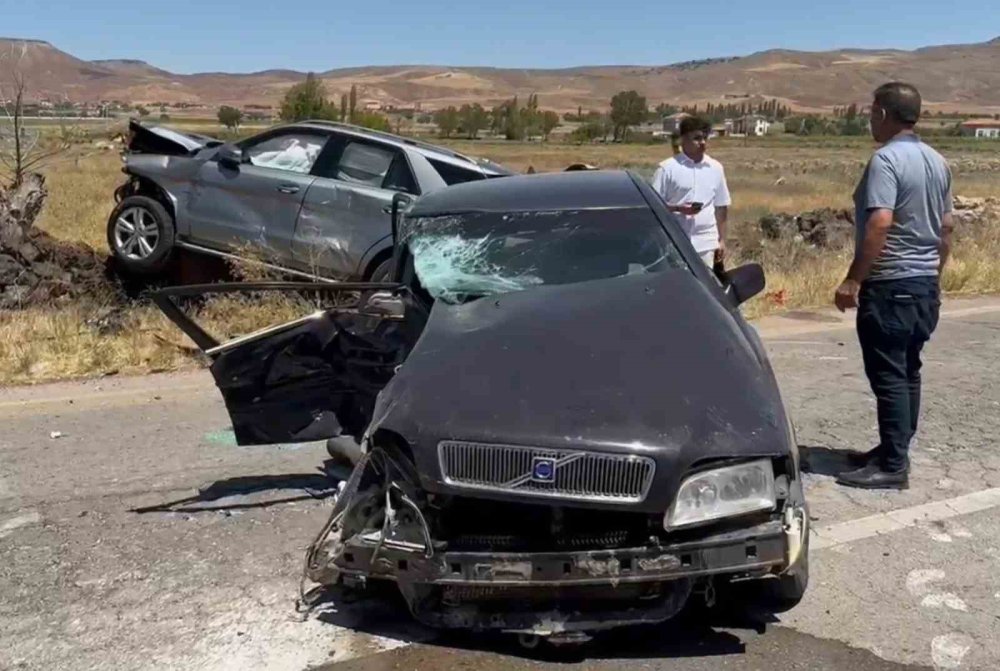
x,y
388,136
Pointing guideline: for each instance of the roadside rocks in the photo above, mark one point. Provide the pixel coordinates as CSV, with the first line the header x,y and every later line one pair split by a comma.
x,y
35,268
976,210
823,228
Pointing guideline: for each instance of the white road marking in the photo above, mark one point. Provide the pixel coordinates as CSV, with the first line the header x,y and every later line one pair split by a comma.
x,y
8,527
949,650
918,580
948,600
896,520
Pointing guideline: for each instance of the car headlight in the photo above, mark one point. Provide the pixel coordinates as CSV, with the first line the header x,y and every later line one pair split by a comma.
x,y
723,492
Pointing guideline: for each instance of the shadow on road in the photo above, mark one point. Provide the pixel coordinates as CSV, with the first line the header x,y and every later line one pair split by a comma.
x,y
825,460
318,485
695,632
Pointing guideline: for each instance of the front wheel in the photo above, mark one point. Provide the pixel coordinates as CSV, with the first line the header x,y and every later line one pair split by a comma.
x,y
141,235
784,592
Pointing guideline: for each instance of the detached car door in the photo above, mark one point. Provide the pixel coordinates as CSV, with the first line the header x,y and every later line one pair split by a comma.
x,y
348,208
257,202
312,378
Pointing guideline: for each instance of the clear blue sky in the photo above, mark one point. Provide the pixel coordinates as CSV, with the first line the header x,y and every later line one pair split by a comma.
x,y
187,36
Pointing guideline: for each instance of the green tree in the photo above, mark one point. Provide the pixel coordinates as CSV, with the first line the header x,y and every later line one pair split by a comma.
x,y
353,102
230,117
343,106
307,100
372,120
447,120
628,109
472,119
550,121
143,112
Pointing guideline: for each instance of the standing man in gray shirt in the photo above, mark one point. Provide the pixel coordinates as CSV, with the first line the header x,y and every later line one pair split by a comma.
x,y
903,216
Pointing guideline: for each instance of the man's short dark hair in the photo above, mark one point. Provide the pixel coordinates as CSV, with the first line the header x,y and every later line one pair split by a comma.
x,y
900,101
692,124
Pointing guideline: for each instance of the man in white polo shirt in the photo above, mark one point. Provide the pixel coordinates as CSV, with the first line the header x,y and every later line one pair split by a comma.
x,y
694,187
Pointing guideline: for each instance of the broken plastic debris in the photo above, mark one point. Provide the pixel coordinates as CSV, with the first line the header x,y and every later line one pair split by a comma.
x,y
56,434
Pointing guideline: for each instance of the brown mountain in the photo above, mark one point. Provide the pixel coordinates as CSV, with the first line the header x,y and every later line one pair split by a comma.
x,y
955,77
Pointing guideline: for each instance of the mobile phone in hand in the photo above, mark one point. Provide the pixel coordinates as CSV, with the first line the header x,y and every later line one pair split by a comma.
x,y
696,206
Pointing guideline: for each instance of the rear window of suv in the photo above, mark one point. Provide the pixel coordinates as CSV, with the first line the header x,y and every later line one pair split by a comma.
x,y
453,174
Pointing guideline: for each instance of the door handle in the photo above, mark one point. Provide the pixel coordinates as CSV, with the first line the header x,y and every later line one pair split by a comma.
x,y
288,188
387,209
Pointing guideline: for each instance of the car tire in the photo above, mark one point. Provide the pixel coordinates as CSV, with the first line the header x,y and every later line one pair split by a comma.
x,y
141,235
382,272
784,592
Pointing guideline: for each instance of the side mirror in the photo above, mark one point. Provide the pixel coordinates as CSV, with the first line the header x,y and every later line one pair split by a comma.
x,y
743,283
230,156
384,304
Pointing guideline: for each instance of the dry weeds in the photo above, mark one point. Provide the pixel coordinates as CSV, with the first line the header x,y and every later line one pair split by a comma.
x,y
765,176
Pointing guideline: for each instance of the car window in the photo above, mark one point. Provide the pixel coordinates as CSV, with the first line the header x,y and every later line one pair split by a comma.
x,y
457,257
453,174
295,152
400,177
362,163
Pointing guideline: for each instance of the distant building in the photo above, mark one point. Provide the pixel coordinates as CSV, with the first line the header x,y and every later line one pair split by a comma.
x,y
981,128
672,123
751,124
372,105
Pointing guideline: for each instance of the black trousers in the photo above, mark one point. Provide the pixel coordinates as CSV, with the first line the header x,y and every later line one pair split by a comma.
x,y
895,319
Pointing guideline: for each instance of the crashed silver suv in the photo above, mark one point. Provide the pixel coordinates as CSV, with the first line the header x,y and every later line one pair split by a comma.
x,y
312,198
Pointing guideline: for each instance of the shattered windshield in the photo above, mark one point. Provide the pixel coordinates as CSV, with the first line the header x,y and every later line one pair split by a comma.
x,y
460,257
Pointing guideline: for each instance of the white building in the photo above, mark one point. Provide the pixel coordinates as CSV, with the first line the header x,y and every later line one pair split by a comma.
x,y
751,124
981,128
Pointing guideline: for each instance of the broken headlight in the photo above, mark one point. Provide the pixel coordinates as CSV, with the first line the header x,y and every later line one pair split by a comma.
x,y
723,492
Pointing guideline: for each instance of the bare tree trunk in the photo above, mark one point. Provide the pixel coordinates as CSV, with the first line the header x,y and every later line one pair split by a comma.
x,y
19,207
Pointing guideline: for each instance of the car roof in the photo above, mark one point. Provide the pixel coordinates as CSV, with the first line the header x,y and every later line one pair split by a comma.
x,y
541,192
425,148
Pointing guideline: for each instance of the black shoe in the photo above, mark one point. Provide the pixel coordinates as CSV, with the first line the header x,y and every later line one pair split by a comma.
x,y
861,459
873,477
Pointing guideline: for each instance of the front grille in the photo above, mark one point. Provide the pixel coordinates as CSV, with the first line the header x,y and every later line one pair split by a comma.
x,y
543,472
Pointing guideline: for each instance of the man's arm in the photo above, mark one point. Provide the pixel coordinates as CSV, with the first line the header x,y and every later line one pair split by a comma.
x,y
876,231
947,227
721,216
722,201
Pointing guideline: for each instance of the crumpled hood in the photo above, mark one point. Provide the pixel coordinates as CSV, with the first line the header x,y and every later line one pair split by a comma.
x,y
161,140
642,364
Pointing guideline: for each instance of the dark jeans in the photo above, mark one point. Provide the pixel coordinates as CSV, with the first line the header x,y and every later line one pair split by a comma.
x,y
895,319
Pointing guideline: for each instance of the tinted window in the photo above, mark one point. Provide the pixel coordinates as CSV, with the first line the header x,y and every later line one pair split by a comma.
x,y
453,174
295,152
362,163
400,178
461,256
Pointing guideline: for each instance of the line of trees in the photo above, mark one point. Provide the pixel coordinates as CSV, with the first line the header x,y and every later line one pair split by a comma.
x,y
509,119
308,100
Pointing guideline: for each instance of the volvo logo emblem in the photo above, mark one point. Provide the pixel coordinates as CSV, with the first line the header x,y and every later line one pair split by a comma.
x,y
543,469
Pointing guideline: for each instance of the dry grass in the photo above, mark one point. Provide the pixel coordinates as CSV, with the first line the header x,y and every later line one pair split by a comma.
x,y
38,345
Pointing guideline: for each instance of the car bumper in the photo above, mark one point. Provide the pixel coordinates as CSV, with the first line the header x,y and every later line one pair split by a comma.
x,y
559,593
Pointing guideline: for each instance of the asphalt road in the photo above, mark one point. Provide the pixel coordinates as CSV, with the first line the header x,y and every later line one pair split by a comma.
x,y
134,534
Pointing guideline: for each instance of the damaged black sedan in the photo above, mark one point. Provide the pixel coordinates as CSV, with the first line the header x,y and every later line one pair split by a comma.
x,y
565,424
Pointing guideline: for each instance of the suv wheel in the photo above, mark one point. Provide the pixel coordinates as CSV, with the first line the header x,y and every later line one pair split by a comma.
x,y
141,235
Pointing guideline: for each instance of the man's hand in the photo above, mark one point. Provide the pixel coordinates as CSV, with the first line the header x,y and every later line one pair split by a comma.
x,y
687,209
847,295
720,252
